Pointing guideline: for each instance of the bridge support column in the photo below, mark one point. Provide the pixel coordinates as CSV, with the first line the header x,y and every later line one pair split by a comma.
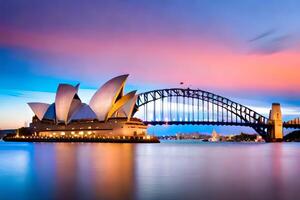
x,y
275,131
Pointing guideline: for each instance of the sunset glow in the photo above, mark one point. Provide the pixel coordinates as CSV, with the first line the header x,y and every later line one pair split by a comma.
x,y
252,58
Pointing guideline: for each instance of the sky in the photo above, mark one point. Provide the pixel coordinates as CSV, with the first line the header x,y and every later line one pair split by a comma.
x,y
248,51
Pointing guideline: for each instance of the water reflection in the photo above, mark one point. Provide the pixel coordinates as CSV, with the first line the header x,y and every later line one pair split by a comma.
x,y
14,162
149,171
93,171
219,171
67,171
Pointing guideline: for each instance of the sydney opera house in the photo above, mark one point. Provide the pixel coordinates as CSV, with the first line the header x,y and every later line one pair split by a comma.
x,y
108,114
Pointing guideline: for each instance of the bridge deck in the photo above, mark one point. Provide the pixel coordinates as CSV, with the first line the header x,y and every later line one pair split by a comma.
x,y
293,126
205,123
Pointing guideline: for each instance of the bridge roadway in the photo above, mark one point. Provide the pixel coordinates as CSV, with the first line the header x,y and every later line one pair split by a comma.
x,y
291,126
154,123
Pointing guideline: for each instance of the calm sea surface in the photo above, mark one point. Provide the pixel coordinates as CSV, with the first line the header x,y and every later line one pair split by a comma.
x,y
170,170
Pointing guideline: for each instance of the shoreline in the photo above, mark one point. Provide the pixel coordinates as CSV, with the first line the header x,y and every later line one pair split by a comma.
x,y
80,140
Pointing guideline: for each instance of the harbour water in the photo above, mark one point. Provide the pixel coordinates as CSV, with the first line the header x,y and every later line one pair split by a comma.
x,y
169,170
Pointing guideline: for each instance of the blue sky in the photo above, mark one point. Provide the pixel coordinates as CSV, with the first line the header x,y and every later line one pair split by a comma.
x,y
245,50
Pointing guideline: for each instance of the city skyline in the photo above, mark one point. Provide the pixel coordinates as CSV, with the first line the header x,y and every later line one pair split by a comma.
x,y
251,58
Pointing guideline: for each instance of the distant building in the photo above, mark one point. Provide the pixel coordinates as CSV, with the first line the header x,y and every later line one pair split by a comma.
x,y
259,138
215,137
191,136
6,132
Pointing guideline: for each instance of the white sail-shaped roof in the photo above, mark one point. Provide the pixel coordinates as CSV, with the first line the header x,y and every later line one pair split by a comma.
x,y
106,103
120,103
39,109
84,112
75,105
50,113
128,108
106,96
64,102
77,87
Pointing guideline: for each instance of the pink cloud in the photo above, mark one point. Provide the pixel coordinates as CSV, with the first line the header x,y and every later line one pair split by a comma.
x,y
203,62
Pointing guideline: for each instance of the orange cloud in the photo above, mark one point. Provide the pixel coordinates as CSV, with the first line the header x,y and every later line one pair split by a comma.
x,y
202,62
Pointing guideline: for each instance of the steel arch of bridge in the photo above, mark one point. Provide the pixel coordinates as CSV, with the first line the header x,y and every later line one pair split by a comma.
x,y
224,111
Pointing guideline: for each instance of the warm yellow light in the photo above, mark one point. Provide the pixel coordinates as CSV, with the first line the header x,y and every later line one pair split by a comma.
x,y
80,132
63,133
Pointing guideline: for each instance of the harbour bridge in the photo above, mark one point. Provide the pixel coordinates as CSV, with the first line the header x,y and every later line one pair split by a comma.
x,y
179,106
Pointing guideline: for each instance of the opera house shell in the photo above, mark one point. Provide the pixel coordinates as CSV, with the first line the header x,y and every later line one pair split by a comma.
x,y
109,112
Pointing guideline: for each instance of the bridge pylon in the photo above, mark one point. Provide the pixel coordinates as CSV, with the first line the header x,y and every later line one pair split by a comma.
x,y
275,132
